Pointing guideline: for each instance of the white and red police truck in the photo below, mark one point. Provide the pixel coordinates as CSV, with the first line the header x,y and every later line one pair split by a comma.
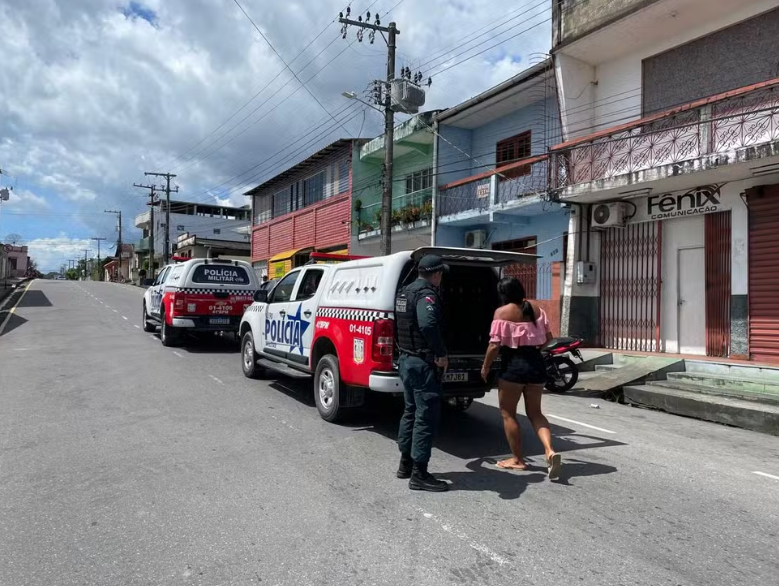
x,y
335,323
198,295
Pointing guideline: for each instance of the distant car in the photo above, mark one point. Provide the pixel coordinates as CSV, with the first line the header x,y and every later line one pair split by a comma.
x,y
198,295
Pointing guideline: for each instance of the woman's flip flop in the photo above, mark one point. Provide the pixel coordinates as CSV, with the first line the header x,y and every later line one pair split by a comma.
x,y
555,464
510,465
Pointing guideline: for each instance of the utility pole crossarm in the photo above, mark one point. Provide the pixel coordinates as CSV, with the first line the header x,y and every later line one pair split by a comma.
x,y
168,190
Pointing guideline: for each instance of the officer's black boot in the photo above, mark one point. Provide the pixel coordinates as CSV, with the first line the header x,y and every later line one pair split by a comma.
x,y
406,466
421,479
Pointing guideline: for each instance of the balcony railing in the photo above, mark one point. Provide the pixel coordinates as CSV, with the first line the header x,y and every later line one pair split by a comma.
x,y
407,210
740,118
143,245
497,187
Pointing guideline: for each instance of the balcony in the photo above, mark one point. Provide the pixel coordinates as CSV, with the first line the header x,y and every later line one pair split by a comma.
x,y
513,187
143,245
143,220
411,210
739,126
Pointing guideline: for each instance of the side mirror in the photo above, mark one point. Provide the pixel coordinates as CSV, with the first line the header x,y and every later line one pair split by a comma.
x,y
261,296
147,282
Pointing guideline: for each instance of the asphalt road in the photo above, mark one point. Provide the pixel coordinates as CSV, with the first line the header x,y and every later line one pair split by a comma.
x,y
123,462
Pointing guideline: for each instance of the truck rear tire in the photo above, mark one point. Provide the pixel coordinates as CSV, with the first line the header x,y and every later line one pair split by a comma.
x,y
327,389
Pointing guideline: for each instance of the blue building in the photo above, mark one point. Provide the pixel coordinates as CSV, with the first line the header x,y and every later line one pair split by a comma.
x,y
493,175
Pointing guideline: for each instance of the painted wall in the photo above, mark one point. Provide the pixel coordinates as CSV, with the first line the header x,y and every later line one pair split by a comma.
x,y
616,99
480,144
196,226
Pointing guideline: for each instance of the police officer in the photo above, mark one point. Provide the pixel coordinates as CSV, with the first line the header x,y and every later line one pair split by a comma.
x,y
423,360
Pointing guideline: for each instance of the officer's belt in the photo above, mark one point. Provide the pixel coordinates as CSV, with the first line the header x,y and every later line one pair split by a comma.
x,y
425,355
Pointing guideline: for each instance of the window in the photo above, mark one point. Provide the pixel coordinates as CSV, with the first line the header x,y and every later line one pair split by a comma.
x,y
419,180
309,285
176,274
217,230
514,149
281,203
263,210
162,276
314,189
283,291
223,274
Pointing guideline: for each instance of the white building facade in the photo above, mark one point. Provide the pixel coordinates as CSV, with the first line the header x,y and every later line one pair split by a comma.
x,y
670,162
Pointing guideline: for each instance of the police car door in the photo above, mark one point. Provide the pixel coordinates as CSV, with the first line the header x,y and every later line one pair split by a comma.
x,y
277,330
302,311
157,290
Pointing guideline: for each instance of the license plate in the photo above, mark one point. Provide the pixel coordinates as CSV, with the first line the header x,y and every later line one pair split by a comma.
x,y
456,377
219,321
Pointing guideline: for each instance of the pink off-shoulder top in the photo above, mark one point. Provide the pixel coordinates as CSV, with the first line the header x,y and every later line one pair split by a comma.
x,y
514,334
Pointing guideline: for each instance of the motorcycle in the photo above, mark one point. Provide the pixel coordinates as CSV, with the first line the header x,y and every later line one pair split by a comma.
x,y
561,372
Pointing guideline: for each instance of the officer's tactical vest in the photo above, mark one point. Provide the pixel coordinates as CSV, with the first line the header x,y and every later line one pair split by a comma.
x,y
409,336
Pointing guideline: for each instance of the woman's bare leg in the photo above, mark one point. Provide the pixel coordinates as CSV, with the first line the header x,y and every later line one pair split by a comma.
x,y
508,399
540,423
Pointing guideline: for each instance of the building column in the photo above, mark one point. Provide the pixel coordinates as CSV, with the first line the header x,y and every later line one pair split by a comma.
x,y
580,314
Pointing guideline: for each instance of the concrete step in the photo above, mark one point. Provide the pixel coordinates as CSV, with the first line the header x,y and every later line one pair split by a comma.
x,y
682,385
592,358
629,359
607,367
746,371
736,412
727,382
616,376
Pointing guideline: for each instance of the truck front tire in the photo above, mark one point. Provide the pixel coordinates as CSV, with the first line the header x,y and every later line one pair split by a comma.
x,y
249,357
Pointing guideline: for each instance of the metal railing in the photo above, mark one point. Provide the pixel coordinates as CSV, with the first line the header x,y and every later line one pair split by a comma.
x,y
407,209
538,279
486,190
736,119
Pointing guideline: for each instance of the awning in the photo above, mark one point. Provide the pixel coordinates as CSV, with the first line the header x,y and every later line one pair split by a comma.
x,y
286,255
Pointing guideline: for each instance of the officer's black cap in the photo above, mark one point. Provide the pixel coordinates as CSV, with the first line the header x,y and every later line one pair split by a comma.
x,y
432,264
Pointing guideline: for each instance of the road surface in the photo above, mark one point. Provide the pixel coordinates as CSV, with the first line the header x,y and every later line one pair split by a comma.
x,y
123,462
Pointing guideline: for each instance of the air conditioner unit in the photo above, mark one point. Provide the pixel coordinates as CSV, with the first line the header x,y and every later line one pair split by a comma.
x,y
609,215
475,238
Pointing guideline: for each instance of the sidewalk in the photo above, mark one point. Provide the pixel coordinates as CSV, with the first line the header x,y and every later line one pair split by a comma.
x,y
11,286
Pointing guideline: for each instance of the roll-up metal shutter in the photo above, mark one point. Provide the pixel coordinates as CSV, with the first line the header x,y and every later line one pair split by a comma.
x,y
763,273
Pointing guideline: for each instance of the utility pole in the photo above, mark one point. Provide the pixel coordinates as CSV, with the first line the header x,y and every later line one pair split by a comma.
x,y
389,114
86,251
168,177
151,204
98,239
119,245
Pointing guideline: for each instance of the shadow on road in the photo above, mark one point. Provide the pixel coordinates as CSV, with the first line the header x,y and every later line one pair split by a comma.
x,y
34,298
14,321
207,343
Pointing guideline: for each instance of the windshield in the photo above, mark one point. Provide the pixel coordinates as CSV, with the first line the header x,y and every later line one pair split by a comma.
x,y
220,275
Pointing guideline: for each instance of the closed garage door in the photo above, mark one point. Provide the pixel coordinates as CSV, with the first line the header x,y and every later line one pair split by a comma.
x,y
763,276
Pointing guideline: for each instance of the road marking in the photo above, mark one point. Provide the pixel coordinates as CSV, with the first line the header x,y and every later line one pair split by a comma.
x,y
13,309
480,547
115,310
580,423
216,379
766,475
179,354
137,326
124,318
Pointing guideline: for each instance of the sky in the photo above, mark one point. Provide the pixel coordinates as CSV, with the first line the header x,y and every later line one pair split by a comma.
x,y
96,92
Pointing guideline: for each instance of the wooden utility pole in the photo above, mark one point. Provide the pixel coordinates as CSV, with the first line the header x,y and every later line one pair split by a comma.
x,y
168,177
119,214
151,204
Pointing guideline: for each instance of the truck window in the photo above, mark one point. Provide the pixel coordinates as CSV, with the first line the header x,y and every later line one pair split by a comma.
x,y
283,291
310,284
215,274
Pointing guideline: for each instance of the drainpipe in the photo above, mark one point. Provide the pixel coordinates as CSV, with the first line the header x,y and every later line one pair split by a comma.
x,y
434,220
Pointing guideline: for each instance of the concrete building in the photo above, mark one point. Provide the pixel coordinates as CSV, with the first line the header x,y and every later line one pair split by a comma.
x,y
670,159
412,188
200,219
17,261
492,178
113,270
195,247
305,208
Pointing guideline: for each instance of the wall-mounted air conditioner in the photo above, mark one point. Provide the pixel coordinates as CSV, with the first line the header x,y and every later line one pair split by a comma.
x,y
475,238
609,215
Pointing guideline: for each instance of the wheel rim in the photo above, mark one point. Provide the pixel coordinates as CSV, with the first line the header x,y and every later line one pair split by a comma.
x,y
563,376
248,355
326,388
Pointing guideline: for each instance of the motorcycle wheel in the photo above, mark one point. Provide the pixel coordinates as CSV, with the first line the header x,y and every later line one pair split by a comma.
x,y
563,375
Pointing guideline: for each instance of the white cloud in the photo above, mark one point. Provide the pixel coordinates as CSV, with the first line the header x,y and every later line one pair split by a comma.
x,y
99,97
51,253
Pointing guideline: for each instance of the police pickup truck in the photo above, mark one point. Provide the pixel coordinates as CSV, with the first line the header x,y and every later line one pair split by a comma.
x,y
335,324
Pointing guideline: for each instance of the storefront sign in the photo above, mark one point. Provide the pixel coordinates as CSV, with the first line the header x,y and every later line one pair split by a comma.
x,y
483,190
701,200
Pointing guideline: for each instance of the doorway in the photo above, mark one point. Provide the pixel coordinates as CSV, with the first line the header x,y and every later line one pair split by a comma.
x,y
691,300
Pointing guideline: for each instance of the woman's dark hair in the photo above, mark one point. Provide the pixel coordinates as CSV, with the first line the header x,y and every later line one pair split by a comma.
x,y
512,291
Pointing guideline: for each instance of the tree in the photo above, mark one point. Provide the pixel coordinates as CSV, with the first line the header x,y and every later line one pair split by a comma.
x,y
71,275
14,239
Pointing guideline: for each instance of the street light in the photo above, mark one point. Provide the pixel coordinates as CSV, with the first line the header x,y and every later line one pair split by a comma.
x,y
353,96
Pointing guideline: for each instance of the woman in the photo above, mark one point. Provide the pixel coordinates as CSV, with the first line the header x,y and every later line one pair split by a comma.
x,y
519,330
